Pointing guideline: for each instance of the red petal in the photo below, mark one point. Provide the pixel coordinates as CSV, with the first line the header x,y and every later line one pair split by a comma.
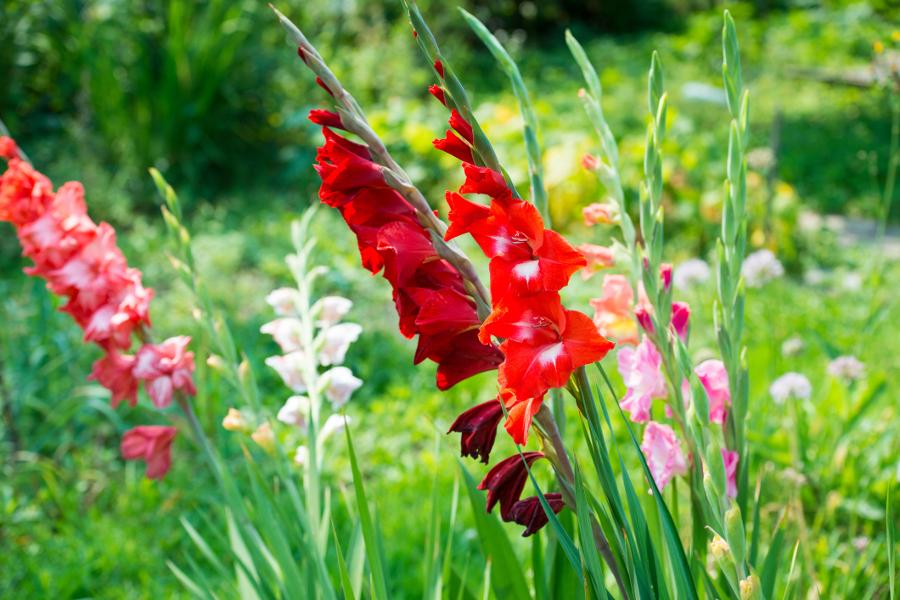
x,y
519,420
438,93
452,145
529,319
482,180
461,126
326,118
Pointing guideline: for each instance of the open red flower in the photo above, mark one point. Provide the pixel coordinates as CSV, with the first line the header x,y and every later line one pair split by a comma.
x,y
478,427
152,444
114,372
506,480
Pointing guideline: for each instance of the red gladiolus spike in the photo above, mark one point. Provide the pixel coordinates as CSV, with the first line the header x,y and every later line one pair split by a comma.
x,y
530,512
326,118
322,85
438,92
152,444
439,67
506,480
461,126
527,319
478,427
454,146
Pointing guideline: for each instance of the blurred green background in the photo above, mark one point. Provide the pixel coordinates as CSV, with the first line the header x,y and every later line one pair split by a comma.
x,y
209,93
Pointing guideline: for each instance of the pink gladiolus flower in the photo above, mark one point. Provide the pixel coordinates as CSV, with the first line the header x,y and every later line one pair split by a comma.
x,y
165,368
114,372
662,450
730,458
613,316
714,377
640,370
341,383
286,331
599,213
598,258
336,342
331,309
285,301
291,368
152,444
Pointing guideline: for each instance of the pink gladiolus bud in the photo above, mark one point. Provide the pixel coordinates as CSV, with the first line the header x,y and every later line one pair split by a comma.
x,y
590,162
644,319
599,213
152,444
165,368
662,450
714,377
730,458
598,258
681,314
665,274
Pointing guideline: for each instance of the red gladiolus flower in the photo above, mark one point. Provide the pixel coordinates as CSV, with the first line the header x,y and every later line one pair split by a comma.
x,y
326,118
530,512
506,480
454,146
478,427
152,444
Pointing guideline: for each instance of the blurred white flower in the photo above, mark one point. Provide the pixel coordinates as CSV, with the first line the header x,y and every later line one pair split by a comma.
x,y
333,424
290,367
792,346
337,340
285,301
849,368
790,385
691,272
852,281
340,385
814,276
861,543
286,331
760,268
331,309
294,411
761,158
301,455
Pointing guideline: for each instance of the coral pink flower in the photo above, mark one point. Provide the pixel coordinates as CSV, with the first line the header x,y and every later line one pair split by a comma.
x,y
662,449
730,458
644,381
599,213
165,368
114,372
613,311
598,258
714,377
152,444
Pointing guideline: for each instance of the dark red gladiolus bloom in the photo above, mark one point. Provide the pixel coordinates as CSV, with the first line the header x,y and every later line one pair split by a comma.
x,y
530,512
478,427
428,292
506,480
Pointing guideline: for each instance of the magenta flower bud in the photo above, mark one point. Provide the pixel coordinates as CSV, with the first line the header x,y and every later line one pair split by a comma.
x,y
681,314
504,483
530,513
643,318
665,273
478,427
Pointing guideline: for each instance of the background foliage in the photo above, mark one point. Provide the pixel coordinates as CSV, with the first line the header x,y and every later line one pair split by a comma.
x,y
208,92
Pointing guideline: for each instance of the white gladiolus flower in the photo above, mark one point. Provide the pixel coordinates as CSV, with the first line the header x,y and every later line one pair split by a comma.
x,y
691,272
331,309
286,331
337,341
760,268
852,281
290,367
340,385
294,411
285,301
790,385
846,367
301,455
792,346
333,424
